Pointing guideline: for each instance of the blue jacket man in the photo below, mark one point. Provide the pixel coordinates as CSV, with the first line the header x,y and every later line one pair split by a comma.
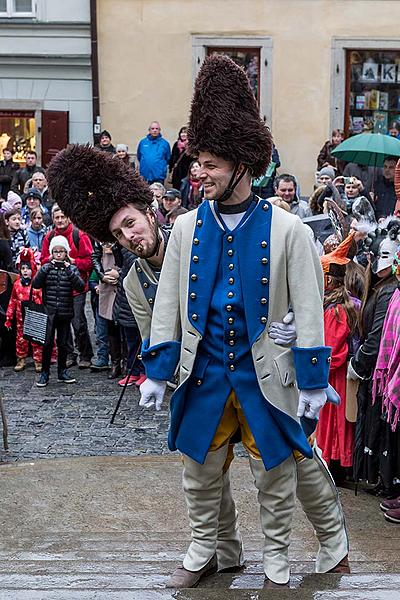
x,y
153,154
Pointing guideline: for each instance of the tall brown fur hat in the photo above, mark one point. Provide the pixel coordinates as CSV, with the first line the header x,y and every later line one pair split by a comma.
x,y
225,119
90,185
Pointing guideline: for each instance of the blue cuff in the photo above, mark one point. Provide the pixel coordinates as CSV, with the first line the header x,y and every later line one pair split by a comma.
x,y
160,361
312,367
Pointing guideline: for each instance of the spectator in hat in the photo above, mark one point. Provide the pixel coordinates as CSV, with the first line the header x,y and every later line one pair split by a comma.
x,y
121,152
325,175
105,142
34,200
170,201
13,201
153,154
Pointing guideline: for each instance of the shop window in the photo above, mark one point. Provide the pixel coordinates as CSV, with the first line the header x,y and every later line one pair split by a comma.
x,y
372,90
17,8
249,59
17,133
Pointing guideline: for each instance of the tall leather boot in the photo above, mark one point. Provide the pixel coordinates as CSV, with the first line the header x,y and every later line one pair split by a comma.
x,y
319,498
276,495
114,344
229,541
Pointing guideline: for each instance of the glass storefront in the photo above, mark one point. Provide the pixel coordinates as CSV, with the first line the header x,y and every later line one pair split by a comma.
x,y
17,133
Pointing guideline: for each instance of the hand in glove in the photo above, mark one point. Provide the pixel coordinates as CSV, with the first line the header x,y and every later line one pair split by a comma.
x,y
310,403
152,393
351,373
284,334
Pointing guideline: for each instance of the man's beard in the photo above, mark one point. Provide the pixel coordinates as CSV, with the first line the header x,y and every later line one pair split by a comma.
x,y
152,248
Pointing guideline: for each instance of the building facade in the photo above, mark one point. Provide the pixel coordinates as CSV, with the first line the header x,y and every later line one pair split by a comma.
x,y
313,64
45,76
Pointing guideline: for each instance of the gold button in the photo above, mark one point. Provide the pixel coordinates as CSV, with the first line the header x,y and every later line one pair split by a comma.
x,y
195,259
228,307
194,317
263,319
264,280
264,260
193,277
153,353
265,206
145,285
329,359
193,296
263,301
150,300
232,367
231,355
231,266
231,281
314,360
230,252
199,223
230,294
199,382
230,238
232,332
231,320
139,270
196,242
232,342
264,244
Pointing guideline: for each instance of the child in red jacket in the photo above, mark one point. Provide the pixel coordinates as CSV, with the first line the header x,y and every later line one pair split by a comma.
x,y
20,293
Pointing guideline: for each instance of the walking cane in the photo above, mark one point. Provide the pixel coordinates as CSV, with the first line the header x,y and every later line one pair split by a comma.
x,y
4,420
137,355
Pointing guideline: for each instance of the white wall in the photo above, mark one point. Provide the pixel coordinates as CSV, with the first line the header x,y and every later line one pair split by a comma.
x,y
64,10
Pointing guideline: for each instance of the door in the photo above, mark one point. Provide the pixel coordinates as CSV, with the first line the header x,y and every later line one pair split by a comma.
x,y
54,133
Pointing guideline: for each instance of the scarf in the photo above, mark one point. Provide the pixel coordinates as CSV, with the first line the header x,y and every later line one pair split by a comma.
x,y
194,192
386,379
181,146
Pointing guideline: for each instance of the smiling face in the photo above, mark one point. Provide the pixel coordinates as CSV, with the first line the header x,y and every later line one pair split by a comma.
x,y
215,174
135,230
14,222
286,190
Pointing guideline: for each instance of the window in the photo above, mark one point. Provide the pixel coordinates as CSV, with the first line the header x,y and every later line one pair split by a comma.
x,y
17,133
372,90
249,59
17,8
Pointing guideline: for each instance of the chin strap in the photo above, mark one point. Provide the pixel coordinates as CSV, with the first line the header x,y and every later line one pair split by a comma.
x,y
232,184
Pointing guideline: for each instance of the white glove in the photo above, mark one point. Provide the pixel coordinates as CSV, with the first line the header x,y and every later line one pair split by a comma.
x,y
310,403
152,393
351,374
284,334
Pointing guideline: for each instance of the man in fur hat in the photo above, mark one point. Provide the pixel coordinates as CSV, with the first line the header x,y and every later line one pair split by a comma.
x,y
117,202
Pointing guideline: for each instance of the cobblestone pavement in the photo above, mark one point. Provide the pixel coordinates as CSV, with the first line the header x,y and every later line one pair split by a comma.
x,y
67,420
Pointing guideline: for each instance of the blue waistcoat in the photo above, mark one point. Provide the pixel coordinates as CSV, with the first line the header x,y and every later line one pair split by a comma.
x,y
229,328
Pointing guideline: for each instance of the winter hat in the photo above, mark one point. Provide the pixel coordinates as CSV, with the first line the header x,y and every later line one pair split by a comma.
x,y
121,148
59,240
172,194
34,193
329,171
105,132
27,257
90,186
225,119
13,198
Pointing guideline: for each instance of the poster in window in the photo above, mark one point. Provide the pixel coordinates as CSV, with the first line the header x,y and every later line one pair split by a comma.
x,y
383,100
380,121
388,73
370,72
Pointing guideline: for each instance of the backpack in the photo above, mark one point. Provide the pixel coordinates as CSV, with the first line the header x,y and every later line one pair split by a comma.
x,y
75,236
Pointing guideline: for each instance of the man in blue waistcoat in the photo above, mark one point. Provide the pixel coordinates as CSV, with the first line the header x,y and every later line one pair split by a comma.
x,y
231,268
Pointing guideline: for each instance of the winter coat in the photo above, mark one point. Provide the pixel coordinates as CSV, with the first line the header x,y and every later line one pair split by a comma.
x,y
122,311
82,255
325,157
385,197
36,237
58,282
178,165
19,239
20,293
8,168
153,155
21,177
110,148
6,260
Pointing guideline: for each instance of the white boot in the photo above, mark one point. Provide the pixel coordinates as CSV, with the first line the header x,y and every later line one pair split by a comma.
x,y
276,495
202,485
319,498
229,542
